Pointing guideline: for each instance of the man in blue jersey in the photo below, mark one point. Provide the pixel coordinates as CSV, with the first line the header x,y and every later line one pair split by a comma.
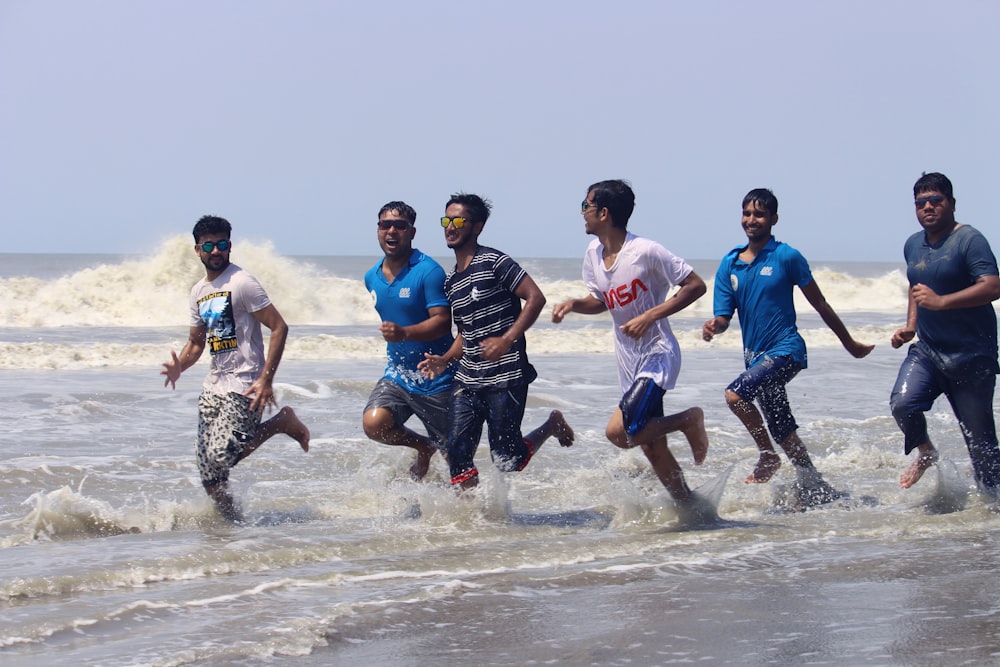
x,y
756,281
953,282
407,288
485,290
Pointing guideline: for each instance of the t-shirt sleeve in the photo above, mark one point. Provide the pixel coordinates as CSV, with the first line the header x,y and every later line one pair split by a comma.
x,y
797,268
508,272
434,287
673,268
980,258
252,294
723,295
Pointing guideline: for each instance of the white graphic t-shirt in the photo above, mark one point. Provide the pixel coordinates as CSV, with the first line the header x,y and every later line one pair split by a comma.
x,y
233,338
640,279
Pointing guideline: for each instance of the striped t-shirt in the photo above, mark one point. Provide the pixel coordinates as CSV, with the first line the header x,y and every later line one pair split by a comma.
x,y
483,305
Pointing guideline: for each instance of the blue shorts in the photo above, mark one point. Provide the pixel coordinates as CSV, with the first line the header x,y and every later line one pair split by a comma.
x,y
642,402
502,411
765,382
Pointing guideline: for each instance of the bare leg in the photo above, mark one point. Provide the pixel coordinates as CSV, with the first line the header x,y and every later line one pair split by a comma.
x,y
667,469
690,422
284,422
769,461
380,425
224,502
927,456
555,425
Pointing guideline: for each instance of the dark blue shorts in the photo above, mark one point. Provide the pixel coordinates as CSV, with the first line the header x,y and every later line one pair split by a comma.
x,y
642,402
502,411
765,382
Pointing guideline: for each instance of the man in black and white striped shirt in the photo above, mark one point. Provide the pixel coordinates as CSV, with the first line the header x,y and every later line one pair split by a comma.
x,y
485,290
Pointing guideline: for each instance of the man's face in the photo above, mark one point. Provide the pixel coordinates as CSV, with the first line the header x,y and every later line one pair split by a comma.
x,y
395,234
591,214
458,238
215,260
935,211
757,221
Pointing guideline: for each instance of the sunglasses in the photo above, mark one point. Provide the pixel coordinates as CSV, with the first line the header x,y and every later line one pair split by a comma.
x,y
223,245
458,222
398,224
935,200
584,205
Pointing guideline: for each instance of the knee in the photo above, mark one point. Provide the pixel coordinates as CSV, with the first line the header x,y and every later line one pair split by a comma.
x,y
615,434
733,399
377,423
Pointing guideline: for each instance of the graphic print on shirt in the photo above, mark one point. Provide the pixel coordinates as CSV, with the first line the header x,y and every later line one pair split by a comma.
x,y
216,310
624,294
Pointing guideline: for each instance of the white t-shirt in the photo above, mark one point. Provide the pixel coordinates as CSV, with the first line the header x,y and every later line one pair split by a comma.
x,y
234,339
640,279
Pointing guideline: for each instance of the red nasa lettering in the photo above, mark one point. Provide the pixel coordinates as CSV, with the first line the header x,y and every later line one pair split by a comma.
x,y
624,294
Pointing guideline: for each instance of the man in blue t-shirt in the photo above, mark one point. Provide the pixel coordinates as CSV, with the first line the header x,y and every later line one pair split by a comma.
x,y
485,290
756,281
953,282
407,288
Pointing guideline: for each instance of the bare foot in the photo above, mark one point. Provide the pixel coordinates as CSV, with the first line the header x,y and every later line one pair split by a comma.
x,y
561,429
917,469
695,433
767,465
423,463
292,426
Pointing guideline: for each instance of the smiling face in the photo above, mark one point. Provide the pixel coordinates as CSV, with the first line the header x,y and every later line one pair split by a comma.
x,y
757,222
469,233
395,234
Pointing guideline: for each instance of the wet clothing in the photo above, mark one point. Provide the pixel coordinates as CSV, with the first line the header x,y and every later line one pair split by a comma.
x,y
642,402
955,353
643,274
765,382
405,301
225,426
430,409
484,305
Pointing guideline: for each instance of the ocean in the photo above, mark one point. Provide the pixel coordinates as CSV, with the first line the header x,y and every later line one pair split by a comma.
x,y
111,553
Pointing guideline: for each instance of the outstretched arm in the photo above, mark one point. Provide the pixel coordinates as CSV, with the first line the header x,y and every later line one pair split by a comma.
x,y
691,289
261,390
825,310
588,305
188,357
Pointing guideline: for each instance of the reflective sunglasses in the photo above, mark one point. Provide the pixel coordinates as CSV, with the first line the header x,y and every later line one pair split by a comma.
x,y
935,200
584,205
223,245
458,222
401,225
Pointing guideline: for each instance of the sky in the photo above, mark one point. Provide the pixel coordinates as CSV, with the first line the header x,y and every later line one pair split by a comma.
x,y
122,122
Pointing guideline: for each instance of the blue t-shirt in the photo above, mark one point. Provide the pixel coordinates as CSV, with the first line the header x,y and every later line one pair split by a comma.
x,y
761,294
405,301
953,337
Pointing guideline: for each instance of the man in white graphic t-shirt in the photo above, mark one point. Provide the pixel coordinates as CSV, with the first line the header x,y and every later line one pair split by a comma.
x,y
227,310
631,276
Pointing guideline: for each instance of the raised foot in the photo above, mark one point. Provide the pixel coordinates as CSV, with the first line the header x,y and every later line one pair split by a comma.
x,y
694,431
561,429
767,465
917,469
292,426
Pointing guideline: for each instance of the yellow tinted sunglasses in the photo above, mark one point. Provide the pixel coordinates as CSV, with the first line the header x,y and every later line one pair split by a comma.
x,y
458,222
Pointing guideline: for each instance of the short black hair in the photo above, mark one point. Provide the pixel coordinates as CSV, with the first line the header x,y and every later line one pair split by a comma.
x,y
478,207
211,224
617,196
933,181
402,208
764,197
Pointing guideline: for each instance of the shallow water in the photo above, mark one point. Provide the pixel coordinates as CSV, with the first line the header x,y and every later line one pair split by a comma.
x,y
112,555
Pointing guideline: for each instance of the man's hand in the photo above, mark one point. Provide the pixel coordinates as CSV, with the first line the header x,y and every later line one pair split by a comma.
x,y
172,370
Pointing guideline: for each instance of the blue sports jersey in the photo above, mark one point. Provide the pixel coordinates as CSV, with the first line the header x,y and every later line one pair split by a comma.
x,y
419,286
761,295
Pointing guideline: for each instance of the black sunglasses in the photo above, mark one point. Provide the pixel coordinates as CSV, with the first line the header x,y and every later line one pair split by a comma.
x,y
398,224
935,200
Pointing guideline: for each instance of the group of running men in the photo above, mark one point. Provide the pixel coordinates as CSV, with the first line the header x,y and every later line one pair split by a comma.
x,y
456,384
